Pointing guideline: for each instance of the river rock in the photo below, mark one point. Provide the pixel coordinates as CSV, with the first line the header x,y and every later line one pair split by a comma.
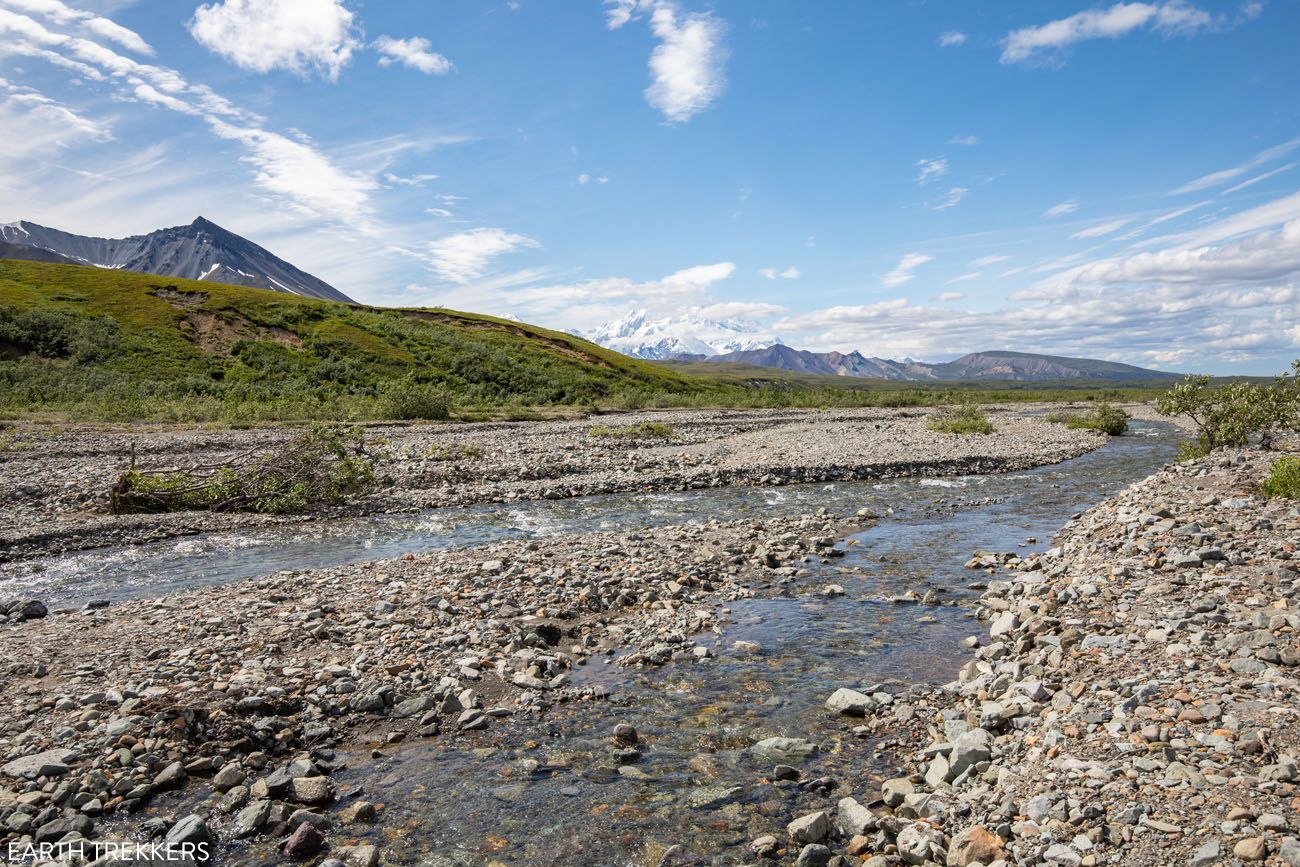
x,y
304,843
811,828
849,702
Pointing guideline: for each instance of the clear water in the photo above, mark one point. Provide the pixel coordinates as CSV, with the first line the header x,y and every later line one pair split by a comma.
x,y
210,559
473,800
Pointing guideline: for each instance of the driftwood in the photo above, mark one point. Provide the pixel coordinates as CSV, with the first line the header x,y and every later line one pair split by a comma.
x,y
322,466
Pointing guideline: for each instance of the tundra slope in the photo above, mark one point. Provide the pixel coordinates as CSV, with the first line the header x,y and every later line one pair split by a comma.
x,y
53,483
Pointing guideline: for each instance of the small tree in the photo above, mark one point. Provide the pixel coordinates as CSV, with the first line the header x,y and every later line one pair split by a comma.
x,y
1233,414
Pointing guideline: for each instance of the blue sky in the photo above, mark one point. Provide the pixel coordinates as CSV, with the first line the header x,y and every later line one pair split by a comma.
x,y
1116,180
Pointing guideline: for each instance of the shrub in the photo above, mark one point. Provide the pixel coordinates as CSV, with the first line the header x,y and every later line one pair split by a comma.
x,y
418,402
1283,479
646,430
58,334
322,466
1236,413
961,420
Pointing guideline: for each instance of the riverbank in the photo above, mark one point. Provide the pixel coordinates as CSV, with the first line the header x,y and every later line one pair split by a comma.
x,y
54,481
1134,700
240,695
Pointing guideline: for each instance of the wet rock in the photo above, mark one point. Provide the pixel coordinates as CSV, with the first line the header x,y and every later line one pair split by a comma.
x,y
811,828
305,842
192,831
171,777
358,856
625,735
228,777
783,750
311,790
251,819
813,855
849,702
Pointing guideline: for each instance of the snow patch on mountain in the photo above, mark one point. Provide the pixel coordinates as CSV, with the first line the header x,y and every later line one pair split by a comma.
x,y
638,335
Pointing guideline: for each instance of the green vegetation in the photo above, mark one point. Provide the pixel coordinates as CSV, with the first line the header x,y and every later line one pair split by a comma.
x,y
321,466
1103,417
409,401
965,419
1236,413
92,344
118,345
646,430
1283,479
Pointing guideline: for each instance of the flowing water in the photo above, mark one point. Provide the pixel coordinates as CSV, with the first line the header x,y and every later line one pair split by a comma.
x,y
550,791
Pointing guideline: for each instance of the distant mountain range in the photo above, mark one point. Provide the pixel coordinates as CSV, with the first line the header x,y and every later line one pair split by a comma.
x,y
662,339
994,364
200,251
739,342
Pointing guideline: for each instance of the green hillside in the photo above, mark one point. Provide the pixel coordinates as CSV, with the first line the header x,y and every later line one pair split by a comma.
x,y
115,344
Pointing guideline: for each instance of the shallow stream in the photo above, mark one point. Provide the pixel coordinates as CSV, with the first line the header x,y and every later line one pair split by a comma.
x,y
550,792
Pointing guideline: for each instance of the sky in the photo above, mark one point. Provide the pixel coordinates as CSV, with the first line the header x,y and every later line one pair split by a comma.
x,y
919,179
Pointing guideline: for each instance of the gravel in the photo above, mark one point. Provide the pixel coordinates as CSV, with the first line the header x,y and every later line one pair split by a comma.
x,y
54,480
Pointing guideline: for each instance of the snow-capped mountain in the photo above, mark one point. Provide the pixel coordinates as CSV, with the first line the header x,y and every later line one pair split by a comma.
x,y
200,251
638,335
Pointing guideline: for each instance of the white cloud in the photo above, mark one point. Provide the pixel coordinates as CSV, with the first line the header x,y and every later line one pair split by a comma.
x,y
586,304
945,297
586,178
1069,206
1101,230
409,180
903,270
984,261
963,278
462,257
952,37
1262,256
931,169
1175,214
260,35
964,140
701,276
292,169
687,66
416,52
1146,325
1174,17
1250,182
93,25
36,125
772,273
1222,177
300,174
951,199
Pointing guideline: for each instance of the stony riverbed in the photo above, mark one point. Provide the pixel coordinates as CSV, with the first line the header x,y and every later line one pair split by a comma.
x,y
469,706
54,480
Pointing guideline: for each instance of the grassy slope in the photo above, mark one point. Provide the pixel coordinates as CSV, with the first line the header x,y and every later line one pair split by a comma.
x,y
284,355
